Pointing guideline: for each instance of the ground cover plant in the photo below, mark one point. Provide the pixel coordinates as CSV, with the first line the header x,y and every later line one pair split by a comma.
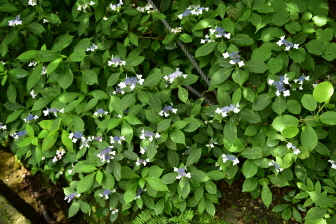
x,y
143,107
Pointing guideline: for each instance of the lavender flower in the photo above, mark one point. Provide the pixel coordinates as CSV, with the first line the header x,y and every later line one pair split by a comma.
x,y
276,166
59,154
53,110
235,58
30,118
220,32
100,112
288,44
174,75
107,154
224,110
116,62
106,193
333,165
18,134
230,157
149,134
181,173
98,138
131,81
143,150
280,85
15,22
211,144
139,192
70,197
116,7
75,136
116,138
166,109
142,161
296,151
300,81
207,39
93,47
193,10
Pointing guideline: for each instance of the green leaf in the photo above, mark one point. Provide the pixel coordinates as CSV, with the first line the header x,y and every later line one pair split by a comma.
x,y
36,28
309,102
230,131
199,175
7,7
78,55
252,153
90,77
34,77
205,49
163,125
266,195
154,102
177,136
49,141
159,206
169,178
74,208
320,20
65,140
127,131
53,65
183,94
194,156
204,23
63,42
128,173
323,91
108,181
134,60
290,132
315,47
52,18
293,106
242,40
298,55
250,116
321,200
261,54
66,79
85,207
274,65
250,184
261,102
309,137
156,183
221,10
240,76
216,175
249,168
279,105
221,75
85,183
255,66
133,39
185,38
27,55
280,207
328,117
283,121
316,213
153,80
10,37
46,55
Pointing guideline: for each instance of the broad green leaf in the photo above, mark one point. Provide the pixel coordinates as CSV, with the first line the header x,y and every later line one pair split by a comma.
x,y
108,181
205,49
7,7
266,195
309,137
230,131
250,184
309,102
279,105
154,102
177,136
242,40
156,183
53,65
255,66
183,94
46,55
221,75
293,106
185,38
49,141
27,55
274,65
199,175
128,173
63,42
78,55
134,60
328,117
261,102
74,208
249,168
252,153
36,28
34,77
290,131
323,91
221,9
127,131
283,121
90,77
250,116
298,55
85,183
194,156
316,213
204,23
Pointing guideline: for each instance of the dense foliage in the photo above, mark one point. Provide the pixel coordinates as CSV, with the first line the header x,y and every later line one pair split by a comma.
x,y
103,94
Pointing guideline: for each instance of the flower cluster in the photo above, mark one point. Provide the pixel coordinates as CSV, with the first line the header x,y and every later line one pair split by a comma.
x,y
277,167
296,151
114,210
280,85
176,30
118,90
93,47
171,77
131,81
207,39
143,150
166,109
230,157
211,144
30,118
107,154
139,192
193,10
220,32
146,8
116,7
116,62
288,44
224,110
75,136
18,134
59,154
106,193
181,173
235,58
142,161
85,5
3,127
300,81
16,21
53,110
116,138
100,112
85,141
149,134
70,197
32,2
333,165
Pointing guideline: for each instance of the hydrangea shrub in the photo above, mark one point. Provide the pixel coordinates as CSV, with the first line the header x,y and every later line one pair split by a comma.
x,y
101,93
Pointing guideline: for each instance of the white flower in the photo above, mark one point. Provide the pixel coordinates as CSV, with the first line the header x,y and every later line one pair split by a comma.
x,y
280,41
45,21
241,63
32,93
226,55
296,46
32,2
286,93
270,81
32,63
